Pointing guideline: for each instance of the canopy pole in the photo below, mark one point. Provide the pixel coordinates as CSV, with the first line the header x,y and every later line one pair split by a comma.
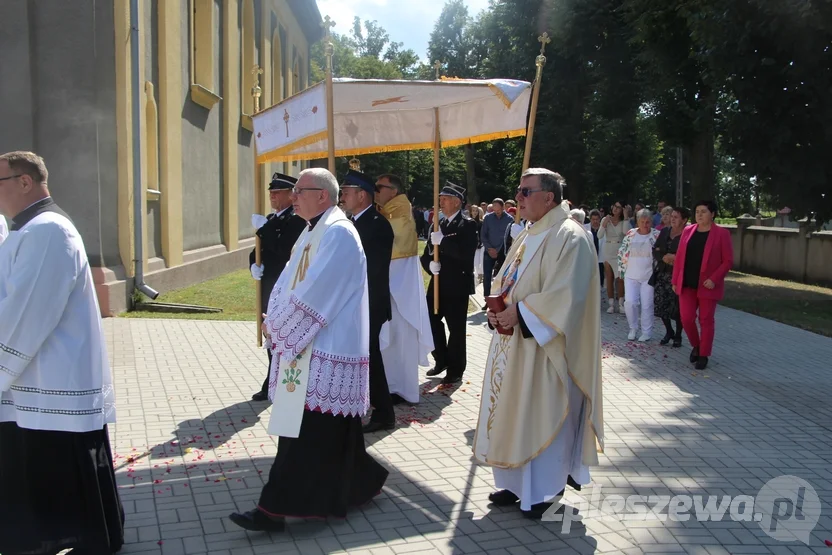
x,y
330,109
256,91
436,143
540,61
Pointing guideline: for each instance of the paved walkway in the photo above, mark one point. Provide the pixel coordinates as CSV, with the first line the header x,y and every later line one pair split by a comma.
x,y
191,448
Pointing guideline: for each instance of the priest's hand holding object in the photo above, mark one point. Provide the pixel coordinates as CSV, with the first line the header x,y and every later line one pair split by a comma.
x,y
508,318
257,271
435,267
436,238
492,318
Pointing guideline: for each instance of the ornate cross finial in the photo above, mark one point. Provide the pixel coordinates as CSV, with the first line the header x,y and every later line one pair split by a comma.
x,y
437,65
355,165
328,24
256,91
544,40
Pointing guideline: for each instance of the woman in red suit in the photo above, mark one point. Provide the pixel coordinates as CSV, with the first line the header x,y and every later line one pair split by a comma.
x,y
704,258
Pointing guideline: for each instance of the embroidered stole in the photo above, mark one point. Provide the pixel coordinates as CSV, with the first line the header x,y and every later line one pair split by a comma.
x,y
496,365
288,382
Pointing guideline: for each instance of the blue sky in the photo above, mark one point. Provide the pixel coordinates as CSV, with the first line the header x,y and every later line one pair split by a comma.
x,y
407,21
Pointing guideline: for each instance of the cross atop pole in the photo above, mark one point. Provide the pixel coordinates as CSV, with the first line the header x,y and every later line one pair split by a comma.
x,y
437,65
256,91
544,40
328,24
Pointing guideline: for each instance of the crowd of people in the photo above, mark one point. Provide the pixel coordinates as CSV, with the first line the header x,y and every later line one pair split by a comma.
x,y
347,322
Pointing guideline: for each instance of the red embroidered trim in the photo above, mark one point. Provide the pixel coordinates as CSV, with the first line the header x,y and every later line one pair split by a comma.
x,y
294,327
338,385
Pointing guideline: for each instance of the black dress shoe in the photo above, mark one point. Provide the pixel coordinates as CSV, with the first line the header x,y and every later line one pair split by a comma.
x,y
371,427
436,370
666,339
450,380
572,484
503,498
257,521
260,396
701,363
677,340
694,355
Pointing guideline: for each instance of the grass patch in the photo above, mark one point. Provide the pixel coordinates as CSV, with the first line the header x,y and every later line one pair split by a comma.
x,y
234,293
804,306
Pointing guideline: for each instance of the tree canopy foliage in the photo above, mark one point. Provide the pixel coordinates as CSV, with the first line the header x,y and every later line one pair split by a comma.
x,y
744,88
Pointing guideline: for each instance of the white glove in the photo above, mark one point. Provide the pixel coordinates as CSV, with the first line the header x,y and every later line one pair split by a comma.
x,y
257,271
436,238
515,230
435,267
258,221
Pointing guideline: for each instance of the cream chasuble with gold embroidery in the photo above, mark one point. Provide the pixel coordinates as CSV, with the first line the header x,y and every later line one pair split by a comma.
x,y
319,325
552,270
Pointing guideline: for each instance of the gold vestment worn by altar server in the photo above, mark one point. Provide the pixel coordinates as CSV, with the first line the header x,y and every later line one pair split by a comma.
x,y
399,213
525,397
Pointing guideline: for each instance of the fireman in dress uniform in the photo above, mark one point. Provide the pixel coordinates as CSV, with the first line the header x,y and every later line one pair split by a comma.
x,y
457,243
277,237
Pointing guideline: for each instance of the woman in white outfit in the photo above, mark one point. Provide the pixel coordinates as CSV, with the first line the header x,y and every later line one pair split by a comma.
x,y
612,231
635,266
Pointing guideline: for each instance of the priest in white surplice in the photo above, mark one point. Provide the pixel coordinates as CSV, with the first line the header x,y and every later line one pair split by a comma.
x,y
541,417
407,336
57,485
318,325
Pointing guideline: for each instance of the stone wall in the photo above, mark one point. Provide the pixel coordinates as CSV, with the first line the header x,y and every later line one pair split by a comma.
x,y
800,254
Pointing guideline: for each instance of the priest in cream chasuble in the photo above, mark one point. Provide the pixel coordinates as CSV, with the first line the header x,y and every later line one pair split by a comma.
x,y
406,338
318,326
541,418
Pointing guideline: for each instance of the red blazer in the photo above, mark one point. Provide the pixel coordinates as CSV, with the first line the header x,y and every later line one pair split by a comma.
x,y
717,261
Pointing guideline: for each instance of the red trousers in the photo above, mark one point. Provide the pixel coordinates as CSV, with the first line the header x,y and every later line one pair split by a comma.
x,y
689,303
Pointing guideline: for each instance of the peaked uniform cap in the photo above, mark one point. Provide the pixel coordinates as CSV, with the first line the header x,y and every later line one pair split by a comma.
x,y
357,179
453,190
282,181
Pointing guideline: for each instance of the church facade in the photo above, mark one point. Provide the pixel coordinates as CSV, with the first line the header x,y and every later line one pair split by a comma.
x,y
66,93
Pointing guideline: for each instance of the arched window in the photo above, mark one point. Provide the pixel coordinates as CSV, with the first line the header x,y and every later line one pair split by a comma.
x,y
202,37
277,68
249,59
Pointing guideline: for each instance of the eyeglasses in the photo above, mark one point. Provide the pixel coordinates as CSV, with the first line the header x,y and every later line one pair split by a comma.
x,y
526,191
297,191
10,177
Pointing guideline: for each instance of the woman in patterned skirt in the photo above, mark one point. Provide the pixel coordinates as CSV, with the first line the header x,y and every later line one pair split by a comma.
x,y
666,302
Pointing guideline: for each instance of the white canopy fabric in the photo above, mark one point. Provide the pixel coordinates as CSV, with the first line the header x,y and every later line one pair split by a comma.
x,y
384,116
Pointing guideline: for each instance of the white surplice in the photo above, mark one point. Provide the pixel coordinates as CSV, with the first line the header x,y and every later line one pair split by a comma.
x,y
318,315
406,339
54,371
4,229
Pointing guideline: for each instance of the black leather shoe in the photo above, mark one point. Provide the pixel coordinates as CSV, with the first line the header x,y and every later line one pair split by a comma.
x,y
257,521
503,498
572,484
666,339
372,427
701,363
677,340
260,396
694,355
450,380
436,370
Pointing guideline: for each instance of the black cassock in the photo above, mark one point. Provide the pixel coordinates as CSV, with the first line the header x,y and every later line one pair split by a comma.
x,y
277,237
456,283
377,240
